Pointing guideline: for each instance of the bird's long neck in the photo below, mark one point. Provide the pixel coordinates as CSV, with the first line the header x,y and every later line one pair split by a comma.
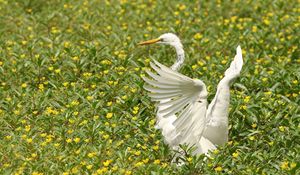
x,y
180,57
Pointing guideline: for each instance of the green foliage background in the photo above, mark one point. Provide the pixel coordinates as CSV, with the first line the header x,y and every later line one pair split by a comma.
x,y
71,96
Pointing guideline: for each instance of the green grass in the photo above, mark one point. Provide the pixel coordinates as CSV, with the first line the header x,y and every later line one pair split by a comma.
x,y
71,96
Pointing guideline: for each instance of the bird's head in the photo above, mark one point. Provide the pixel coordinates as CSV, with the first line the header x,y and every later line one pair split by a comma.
x,y
167,38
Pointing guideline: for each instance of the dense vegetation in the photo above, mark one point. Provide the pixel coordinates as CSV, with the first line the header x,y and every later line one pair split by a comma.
x,y
72,98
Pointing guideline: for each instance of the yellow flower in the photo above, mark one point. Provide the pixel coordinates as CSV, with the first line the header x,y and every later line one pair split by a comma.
x,y
198,36
87,74
29,140
235,154
67,44
6,165
233,18
109,115
284,165
89,167
267,21
247,99
27,128
157,161
164,165
77,140
216,151
137,153
156,147
268,93
75,170
24,85
152,122
105,62
114,168
295,82
146,160
264,79
74,103
36,173
252,138
182,7
77,151
86,26
106,163
281,128
271,143
51,68
223,62
75,58
93,86
139,164
24,42
254,29
8,137
226,21
106,136
91,154
109,103
293,165
17,112
41,87
201,63
69,140
218,169
57,71
70,131
37,56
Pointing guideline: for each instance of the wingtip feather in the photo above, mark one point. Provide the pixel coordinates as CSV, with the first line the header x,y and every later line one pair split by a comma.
x,y
238,49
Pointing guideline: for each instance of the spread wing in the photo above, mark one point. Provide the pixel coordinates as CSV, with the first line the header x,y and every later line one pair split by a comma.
x,y
217,113
181,104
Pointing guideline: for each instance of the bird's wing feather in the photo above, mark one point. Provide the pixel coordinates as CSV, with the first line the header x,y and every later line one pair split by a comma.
x,y
179,96
236,65
218,109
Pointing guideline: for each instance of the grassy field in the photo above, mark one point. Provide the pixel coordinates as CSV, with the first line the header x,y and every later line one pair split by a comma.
x,y
72,98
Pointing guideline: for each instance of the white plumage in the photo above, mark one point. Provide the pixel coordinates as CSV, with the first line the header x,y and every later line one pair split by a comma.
x,y
182,112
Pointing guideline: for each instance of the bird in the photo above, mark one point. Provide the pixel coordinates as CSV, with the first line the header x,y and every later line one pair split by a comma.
x,y
173,40
183,112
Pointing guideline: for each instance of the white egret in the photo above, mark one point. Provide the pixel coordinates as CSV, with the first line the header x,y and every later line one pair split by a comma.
x,y
165,123
182,113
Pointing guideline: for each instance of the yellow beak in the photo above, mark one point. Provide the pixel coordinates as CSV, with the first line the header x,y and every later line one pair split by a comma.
x,y
150,41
